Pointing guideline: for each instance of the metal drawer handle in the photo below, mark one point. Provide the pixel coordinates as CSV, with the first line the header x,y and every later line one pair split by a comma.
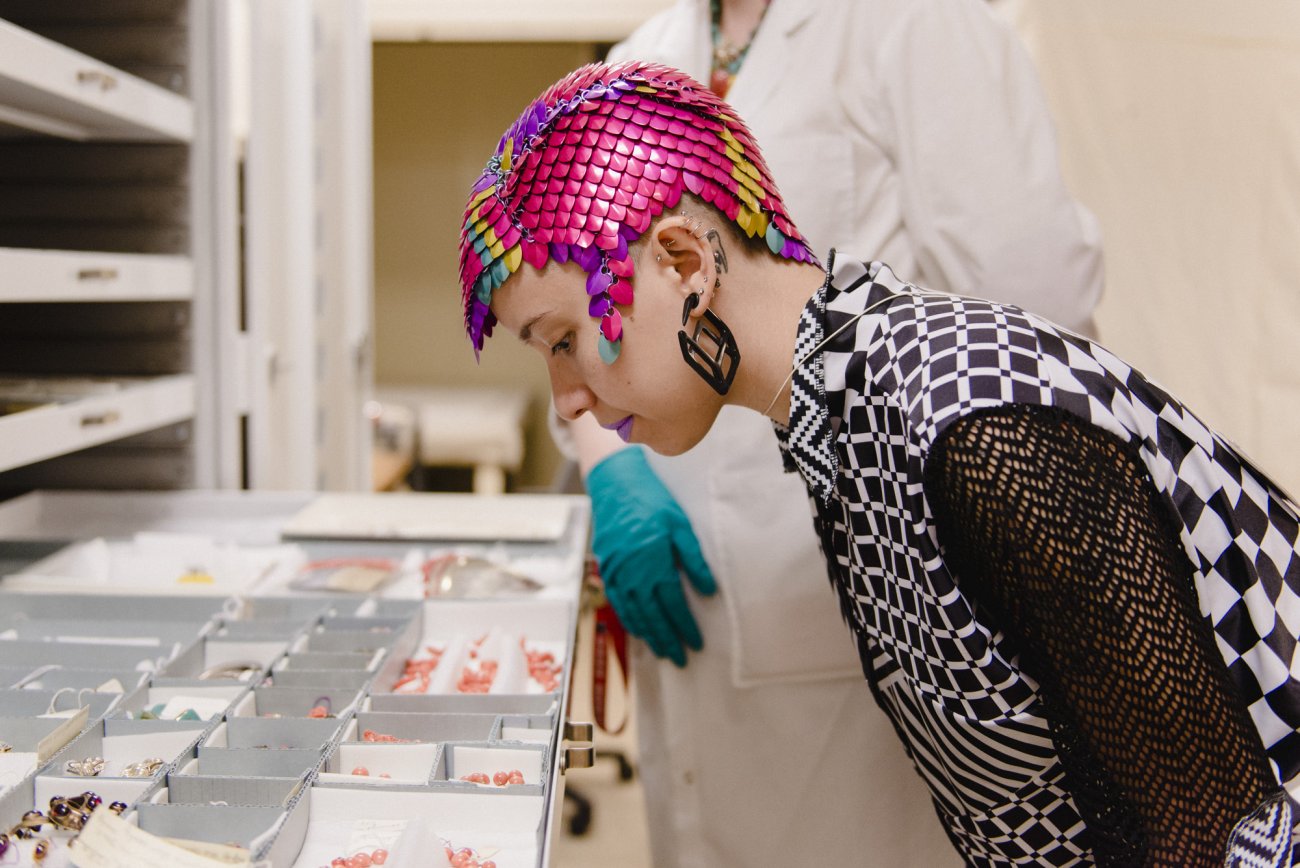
x,y
582,756
579,731
97,274
108,417
90,76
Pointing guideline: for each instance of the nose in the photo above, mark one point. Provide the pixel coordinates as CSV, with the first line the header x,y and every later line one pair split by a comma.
x,y
571,395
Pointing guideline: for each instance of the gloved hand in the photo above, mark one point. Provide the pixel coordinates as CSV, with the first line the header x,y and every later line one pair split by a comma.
x,y
642,539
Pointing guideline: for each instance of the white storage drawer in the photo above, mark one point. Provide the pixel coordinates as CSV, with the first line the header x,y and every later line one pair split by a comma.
x,y
57,429
52,89
60,275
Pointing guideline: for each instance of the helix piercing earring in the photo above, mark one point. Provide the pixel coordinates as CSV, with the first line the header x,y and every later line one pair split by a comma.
x,y
716,366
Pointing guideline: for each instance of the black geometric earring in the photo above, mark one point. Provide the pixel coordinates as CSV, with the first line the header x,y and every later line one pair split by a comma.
x,y
717,364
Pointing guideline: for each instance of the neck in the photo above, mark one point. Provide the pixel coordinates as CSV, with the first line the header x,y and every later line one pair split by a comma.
x,y
762,309
740,18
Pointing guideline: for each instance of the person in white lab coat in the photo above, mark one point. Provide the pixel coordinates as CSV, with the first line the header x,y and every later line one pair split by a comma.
x,y
913,131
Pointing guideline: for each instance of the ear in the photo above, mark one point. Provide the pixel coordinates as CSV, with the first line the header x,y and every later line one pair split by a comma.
x,y
685,249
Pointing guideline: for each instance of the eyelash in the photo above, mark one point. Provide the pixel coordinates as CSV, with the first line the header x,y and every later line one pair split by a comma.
x,y
562,345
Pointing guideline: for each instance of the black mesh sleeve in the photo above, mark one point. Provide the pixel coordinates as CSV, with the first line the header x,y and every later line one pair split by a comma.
x,y
1053,526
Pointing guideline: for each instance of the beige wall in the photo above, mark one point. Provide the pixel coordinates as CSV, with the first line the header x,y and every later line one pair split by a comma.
x,y
1180,129
439,110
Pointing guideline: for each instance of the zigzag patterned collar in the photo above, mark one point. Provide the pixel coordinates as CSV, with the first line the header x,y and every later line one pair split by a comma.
x,y
807,440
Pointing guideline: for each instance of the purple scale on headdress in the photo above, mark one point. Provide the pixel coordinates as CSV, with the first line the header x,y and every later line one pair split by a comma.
x,y
598,282
594,161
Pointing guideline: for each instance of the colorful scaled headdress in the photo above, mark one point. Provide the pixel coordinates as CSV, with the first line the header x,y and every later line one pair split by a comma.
x,y
589,165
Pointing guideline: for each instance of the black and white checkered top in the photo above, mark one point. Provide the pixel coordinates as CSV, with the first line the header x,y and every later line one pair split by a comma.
x,y
867,406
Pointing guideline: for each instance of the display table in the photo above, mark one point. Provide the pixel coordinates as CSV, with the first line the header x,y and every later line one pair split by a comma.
x,y
290,699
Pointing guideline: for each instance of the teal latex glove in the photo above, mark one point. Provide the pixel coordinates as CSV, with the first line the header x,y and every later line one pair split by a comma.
x,y
644,542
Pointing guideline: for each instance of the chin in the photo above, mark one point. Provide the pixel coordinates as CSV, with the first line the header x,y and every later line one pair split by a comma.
x,y
671,447
666,450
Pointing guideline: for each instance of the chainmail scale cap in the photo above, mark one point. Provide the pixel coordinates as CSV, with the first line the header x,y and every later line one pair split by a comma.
x,y
586,168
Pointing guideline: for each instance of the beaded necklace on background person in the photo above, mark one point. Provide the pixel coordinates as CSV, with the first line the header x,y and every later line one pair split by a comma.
x,y
727,58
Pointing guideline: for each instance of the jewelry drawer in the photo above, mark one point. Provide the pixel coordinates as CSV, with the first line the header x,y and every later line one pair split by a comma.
x,y
54,429
75,276
52,89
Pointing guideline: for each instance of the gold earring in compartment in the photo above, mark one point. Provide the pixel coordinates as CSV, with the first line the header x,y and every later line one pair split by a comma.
x,y
86,768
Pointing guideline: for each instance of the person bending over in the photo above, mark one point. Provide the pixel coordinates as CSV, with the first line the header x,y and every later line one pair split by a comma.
x,y
1072,598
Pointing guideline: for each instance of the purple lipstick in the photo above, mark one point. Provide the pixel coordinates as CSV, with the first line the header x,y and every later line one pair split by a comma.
x,y
623,427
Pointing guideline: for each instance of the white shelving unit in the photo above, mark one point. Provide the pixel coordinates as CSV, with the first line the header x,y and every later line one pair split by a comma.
x,y
130,408
69,275
509,20
49,88
118,190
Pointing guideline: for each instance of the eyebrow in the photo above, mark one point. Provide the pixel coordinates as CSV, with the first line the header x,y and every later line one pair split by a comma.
x,y
526,333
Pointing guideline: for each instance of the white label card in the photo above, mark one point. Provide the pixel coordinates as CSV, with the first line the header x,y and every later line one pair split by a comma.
x,y
108,841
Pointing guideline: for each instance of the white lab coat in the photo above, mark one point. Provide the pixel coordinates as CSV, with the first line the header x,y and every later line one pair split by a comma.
x,y
911,131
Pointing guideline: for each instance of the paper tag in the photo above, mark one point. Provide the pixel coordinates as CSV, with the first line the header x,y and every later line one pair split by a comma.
x,y
222,854
108,841
372,834
66,732
112,685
